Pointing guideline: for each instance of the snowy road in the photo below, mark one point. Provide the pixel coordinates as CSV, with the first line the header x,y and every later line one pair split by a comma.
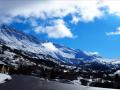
x,y
34,83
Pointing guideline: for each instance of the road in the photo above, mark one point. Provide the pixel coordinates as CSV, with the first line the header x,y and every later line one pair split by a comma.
x,y
33,83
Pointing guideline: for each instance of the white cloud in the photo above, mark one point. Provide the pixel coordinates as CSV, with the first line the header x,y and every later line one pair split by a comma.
x,y
52,48
33,22
57,30
117,32
85,10
6,19
80,10
49,46
91,53
113,6
75,20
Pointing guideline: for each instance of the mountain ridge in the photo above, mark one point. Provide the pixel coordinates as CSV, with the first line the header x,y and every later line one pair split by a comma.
x,y
30,44
18,38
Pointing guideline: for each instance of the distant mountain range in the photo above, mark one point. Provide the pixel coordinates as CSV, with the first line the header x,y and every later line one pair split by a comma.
x,y
36,49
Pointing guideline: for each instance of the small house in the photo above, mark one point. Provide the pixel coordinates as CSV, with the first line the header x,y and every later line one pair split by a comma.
x,y
3,67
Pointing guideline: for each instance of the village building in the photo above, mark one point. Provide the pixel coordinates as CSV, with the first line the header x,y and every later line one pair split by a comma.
x,y
3,68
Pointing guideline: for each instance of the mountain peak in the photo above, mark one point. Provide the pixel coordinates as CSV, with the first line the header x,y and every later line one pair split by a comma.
x,y
20,40
10,32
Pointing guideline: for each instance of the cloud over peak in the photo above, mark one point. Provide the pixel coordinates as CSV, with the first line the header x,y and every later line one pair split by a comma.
x,y
49,46
57,30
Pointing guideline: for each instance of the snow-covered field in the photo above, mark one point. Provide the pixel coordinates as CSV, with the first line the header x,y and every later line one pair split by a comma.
x,y
4,77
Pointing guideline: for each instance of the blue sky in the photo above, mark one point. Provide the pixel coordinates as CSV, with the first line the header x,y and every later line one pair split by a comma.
x,y
87,25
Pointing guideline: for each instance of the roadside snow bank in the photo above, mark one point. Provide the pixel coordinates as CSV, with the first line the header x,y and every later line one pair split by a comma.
x,y
4,78
117,73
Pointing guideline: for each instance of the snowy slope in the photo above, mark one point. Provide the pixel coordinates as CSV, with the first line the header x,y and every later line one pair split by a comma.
x,y
16,39
19,40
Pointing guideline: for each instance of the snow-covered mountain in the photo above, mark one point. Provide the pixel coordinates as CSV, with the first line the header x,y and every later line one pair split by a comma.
x,y
21,41
36,48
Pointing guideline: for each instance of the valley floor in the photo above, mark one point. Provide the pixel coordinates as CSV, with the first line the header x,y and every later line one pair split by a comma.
x,y
20,82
